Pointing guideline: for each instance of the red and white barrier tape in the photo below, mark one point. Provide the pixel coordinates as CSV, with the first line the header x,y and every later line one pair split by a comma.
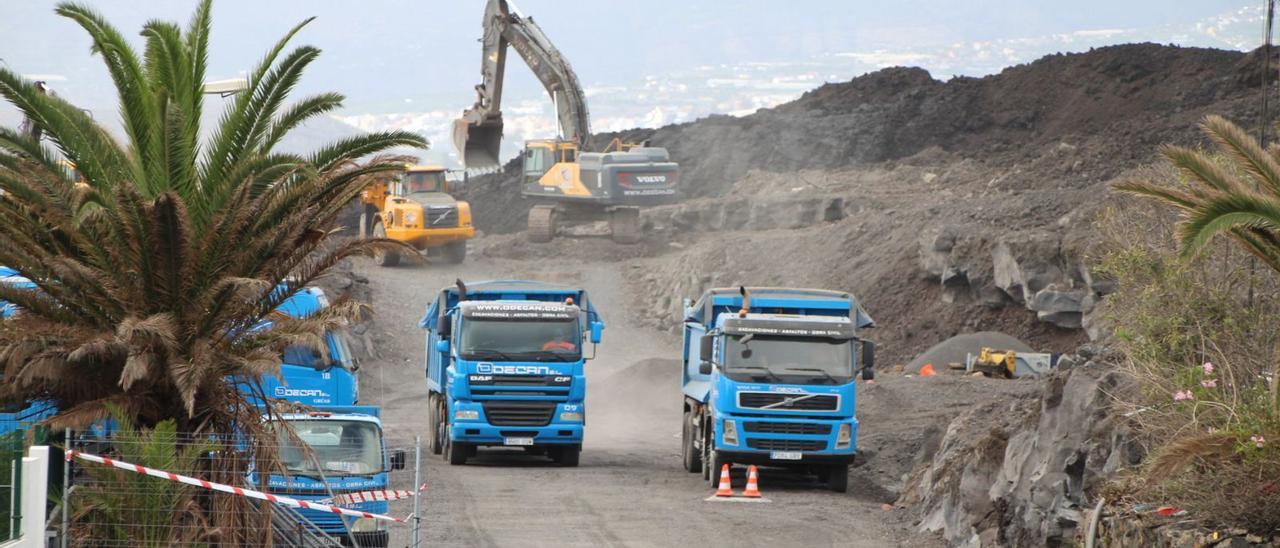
x,y
275,499
388,495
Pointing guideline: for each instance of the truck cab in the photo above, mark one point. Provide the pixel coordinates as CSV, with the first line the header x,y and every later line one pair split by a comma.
x,y
307,375
505,367
337,450
768,379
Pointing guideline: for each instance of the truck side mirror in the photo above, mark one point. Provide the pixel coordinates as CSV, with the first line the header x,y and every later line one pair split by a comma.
x,y
442,346
706,347
597,332
397,460
443,326
868,360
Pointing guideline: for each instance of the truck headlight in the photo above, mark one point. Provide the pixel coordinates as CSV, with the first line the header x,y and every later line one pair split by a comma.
x,y
571,416
365,525
730,432
466,415
844,437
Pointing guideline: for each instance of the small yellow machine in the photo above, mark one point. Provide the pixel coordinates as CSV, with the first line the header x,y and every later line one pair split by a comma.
x,y
1010,364
417,209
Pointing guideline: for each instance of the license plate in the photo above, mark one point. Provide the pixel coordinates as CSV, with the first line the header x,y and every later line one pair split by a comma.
x,y
517,441
786,455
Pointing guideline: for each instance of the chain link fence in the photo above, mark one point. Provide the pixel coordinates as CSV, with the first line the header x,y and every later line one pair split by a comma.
x,y
19,428
164,488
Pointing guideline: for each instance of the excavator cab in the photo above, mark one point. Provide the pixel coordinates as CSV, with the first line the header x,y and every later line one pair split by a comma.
x,y
543,154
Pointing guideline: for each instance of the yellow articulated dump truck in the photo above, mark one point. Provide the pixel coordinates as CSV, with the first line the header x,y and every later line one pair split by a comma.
x,y
417,209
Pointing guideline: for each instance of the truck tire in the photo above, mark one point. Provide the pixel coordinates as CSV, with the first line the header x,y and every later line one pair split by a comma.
x,y
624,225
688,449
434,442
568,455
838,478
455,252
542,224
455,453
383,257
711,461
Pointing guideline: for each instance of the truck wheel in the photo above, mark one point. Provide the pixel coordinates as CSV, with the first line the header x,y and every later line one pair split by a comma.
x,y
714,463
535,450
568,455
455,252
542,224
838,478
689,450
383,257
624,224
455,453
706,454
434,440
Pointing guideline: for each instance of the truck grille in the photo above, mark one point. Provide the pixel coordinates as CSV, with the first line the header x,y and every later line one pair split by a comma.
x,y
763,399
786,445
787,428
518,380
508,413
441,217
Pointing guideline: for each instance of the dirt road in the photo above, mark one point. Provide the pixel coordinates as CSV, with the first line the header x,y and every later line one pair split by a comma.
x,y
630,489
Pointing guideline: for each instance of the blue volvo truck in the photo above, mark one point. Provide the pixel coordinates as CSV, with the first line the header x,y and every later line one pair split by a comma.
x,y
504,366
768,379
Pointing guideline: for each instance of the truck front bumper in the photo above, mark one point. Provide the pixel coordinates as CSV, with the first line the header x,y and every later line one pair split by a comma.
x,y
764,458
423,238
482,431
488,434
779,440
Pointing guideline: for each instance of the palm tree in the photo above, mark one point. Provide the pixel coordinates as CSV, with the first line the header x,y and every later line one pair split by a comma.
x,y
154,268
1235,194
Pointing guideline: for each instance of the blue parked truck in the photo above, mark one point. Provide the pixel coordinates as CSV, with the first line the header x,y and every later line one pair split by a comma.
x,y
311,377
769,380
344,452
504,367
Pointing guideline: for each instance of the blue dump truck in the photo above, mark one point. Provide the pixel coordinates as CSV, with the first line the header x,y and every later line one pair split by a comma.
x,y
769,380
308,376
20,416
504,367
337,450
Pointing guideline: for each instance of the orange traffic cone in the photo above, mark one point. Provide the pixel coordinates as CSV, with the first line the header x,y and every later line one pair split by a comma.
x,y
753,483
726,487
927,370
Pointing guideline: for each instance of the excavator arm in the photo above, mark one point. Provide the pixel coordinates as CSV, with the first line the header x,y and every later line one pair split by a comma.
x,y
477,135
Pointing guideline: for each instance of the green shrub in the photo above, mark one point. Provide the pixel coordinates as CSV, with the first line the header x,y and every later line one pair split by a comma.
x,y
1199,333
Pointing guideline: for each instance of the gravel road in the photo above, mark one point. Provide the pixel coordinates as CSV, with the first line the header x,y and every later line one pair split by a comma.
x,y
630,489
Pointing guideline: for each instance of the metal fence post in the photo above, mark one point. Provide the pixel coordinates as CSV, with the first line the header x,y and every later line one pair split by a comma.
x,y
14,512
417,491
66,490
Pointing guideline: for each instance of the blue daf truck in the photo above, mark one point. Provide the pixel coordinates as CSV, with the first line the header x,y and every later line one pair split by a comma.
x,y
768,379
504,367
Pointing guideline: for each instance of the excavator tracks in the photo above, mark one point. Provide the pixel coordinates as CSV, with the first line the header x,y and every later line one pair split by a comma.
x,y
542,223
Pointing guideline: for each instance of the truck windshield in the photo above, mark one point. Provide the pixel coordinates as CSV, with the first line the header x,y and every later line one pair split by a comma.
x,y
423,181
339,353
830,360
515,340
337,446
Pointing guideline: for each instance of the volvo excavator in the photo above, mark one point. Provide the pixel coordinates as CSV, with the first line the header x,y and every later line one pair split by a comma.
x,y
566,183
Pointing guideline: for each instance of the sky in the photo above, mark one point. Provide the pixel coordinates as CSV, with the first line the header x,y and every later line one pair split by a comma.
x,y
411,64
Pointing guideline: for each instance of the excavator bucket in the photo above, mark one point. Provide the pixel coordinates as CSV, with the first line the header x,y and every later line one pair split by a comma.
x,y
478,143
